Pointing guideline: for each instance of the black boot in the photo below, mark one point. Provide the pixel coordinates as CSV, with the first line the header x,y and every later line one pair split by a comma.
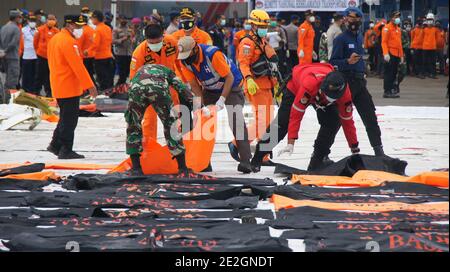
x,y
67,154
52,148
245,168
379,152
182,167
316,163
258,159
136,169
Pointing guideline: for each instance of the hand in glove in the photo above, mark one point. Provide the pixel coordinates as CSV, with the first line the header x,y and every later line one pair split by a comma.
x,y
288,54
301,54
315,57
221,103
278,94
355,150
206,112
252,86
387,58
289,149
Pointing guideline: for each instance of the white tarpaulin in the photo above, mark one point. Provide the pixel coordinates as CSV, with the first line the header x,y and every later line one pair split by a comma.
x,y
302,5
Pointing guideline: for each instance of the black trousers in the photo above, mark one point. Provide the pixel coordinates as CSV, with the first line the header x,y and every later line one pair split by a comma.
x,y
371,51
429,57
123,62
409,61
293,60
390,74
418,62
28,75
42,77
329,121
89,64
282,61
64,134
366,108
105,73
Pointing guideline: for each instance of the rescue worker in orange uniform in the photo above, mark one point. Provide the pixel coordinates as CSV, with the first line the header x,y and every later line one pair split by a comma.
x,y
258,62
441,47
306,35
416,48
85,42
429,46
240,35
101,50
369,44
41,39
158,48
189,28
68,78
391,42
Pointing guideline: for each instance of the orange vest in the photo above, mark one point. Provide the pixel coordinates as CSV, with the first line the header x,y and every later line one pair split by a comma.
x,y
200,36
142,55
441,40
86,41
68,76
369,38
391,40
430,38
417,38
250,53
237,39
42,38
102,46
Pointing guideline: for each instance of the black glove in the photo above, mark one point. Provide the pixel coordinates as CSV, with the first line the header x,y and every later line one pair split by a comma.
x,y
355,149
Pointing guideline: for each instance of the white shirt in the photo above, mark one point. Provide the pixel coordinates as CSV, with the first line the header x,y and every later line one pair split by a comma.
x,y
28,37
274,39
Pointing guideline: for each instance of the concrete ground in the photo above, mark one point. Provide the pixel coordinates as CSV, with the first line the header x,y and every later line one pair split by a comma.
x,y
415,128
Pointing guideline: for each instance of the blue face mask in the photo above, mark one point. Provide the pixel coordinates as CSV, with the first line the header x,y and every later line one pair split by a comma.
x,y
262,32
247,27
43,19
397,21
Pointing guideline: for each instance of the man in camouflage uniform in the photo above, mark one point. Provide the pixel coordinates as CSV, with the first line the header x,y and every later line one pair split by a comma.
x,y
403,68
151,87
323,48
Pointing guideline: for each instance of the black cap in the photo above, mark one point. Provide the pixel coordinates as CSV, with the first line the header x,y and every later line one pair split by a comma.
x,y
395,14
97,14
338,16
75,19
309,12
187,13
39,12
334,85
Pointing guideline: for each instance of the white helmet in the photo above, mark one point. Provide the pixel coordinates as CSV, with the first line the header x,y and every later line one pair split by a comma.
x,y
430,16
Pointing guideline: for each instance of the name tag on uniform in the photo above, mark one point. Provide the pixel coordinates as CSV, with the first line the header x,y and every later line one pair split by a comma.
x,y
351,46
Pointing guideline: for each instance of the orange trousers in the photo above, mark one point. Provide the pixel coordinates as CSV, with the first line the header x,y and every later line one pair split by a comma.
x,y
263,111
150,121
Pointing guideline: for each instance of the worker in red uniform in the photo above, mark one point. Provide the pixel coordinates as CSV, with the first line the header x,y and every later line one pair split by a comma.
x,y
327,91
69,79
306,35
391,42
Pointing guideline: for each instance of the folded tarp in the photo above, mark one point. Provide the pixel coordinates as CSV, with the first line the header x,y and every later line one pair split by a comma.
x,y
46,175
348,166
199,143
282,202
62,166
373,178
24,169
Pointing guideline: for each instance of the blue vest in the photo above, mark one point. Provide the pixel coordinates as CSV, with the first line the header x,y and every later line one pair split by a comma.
x,y
208,77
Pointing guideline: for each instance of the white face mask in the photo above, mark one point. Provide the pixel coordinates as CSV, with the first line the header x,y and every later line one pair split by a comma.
x,y
371,25
77,33
91,24
155,47
32,24
312,19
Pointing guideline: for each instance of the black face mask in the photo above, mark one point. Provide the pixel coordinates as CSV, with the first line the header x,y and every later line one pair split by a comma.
x,y
354,26
187,25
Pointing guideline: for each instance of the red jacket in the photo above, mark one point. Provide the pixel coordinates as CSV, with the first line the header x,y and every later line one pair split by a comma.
x,y
305,85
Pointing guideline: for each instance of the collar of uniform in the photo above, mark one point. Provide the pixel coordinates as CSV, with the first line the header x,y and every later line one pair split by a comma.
x,y
66,32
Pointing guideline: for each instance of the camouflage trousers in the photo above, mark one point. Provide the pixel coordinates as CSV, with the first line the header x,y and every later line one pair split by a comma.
x,y
139,100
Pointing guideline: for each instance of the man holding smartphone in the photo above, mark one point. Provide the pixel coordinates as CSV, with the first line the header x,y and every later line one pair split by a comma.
x,y
347,56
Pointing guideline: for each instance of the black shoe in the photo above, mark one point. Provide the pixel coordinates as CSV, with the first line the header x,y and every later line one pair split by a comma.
x,y
269,163
208,169
327,161
433,77
245,168
53,149
316,163
421,76
134,172
66,154
234,152
257,160
185,172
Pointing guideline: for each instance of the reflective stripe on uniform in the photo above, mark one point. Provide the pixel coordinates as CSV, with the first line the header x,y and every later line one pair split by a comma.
x,y
297,108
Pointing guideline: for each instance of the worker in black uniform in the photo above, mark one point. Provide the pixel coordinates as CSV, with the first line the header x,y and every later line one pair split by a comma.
x,y
347,56
217,32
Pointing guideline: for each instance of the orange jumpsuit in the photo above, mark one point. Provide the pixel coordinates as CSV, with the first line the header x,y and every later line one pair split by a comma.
x,y
42,38
430,38
237,39
417,38
101,47
262,101
306,36
391,40
68,76
369,38
86,41
200,36
168,56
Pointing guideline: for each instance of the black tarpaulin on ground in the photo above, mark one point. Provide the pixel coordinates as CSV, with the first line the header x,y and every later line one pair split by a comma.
x,y
348,166
20,184
26,169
